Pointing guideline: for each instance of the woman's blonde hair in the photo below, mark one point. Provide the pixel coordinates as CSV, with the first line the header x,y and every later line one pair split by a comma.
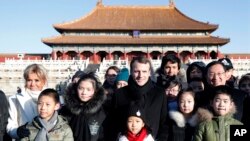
x,y
38,69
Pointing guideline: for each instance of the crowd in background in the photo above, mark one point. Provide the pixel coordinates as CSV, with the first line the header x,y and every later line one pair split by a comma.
x,y
133,104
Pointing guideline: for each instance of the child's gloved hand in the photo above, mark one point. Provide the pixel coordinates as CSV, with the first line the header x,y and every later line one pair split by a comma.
x,y
22,131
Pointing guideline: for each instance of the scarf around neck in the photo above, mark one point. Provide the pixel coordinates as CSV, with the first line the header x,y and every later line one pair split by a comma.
x,y
33,94
139,93
139,137
46,126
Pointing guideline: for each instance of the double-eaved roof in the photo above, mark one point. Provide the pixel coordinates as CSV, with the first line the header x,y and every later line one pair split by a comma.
x,y
129,18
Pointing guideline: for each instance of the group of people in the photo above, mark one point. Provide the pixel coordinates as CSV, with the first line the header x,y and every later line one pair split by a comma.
x,y
130,105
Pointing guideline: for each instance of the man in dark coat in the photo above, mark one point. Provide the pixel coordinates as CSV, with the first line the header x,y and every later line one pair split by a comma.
x,y
142,90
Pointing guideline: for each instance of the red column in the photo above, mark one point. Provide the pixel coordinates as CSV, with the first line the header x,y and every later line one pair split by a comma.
x,y
148,55
206,55
192,56
95,58
64,56
110,56
125,55
53,55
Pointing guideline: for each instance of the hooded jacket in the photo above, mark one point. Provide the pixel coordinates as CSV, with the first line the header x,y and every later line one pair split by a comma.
x,y
61,131
182,129
216,128
87,118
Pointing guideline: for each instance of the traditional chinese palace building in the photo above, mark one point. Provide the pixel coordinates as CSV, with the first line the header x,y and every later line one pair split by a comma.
x,y
114,32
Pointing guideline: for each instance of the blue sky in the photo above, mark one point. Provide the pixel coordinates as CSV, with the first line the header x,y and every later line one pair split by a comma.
x,y
24,23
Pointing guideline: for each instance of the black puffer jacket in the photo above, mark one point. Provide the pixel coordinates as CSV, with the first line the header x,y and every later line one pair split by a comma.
x,y
182,129
86,119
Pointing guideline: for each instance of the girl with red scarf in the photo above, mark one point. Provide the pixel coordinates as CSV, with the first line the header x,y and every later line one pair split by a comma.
x,y
136,127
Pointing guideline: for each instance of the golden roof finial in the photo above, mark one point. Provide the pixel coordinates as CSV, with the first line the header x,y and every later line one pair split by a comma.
x,y
99,3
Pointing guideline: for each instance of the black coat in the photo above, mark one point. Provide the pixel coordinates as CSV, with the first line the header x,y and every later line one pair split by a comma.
x,y
181,129
3,123
153,100
246,109
4,115
86,119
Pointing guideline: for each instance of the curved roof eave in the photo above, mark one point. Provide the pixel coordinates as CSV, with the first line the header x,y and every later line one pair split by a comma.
x,y
69,26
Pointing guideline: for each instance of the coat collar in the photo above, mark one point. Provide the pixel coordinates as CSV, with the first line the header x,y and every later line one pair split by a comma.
x,y
27,104
92,106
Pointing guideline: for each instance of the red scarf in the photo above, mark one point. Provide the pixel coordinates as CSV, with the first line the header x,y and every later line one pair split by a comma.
x,y
139,137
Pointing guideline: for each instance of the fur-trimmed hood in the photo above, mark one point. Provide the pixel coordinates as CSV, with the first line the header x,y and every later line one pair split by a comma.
x,y
208,115
180,120
200,116
77,107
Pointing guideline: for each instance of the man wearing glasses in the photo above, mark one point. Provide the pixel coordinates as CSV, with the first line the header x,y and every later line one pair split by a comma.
x,y
215,73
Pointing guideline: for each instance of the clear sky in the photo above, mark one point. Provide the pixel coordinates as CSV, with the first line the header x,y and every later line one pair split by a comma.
x,y
23,23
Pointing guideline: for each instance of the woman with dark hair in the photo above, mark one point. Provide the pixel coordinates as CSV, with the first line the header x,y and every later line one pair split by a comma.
x,y
4,115
195,70
110,77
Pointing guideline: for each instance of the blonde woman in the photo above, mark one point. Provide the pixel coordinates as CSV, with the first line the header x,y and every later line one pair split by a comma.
x,y
23,104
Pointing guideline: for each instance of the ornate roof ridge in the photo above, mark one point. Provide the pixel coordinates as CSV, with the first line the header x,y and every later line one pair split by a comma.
x,y
110,7
137,6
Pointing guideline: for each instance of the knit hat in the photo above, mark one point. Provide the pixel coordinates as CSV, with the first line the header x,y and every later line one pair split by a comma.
x,y
137,111
123,75
227,63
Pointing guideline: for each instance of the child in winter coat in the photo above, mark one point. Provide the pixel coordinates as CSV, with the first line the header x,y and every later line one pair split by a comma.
x,y
85,103
48,126
137,130
172,90
182,122
217,127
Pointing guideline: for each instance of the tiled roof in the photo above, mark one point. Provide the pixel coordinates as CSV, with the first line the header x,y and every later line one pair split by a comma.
x,y
66,40
135,18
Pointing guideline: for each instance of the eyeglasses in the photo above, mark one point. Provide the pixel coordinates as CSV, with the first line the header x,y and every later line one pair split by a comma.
x,y
212,74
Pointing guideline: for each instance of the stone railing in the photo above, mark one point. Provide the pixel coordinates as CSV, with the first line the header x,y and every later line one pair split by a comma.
x,y
11,72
